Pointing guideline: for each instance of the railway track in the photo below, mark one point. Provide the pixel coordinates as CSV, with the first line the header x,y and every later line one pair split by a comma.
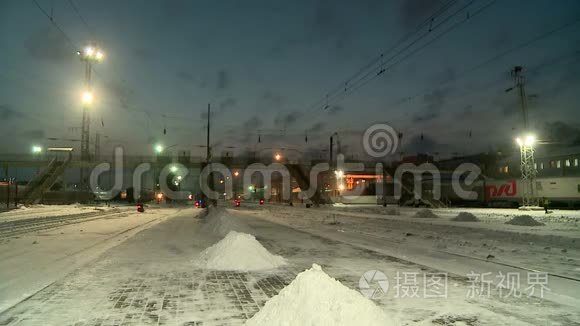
x,y
18,227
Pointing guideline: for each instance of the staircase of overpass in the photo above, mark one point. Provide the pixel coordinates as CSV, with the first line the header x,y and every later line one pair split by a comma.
x,y
43,181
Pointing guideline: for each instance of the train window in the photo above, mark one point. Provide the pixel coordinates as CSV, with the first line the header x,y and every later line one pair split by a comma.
x,y
575,162
541,165
558,164
567,163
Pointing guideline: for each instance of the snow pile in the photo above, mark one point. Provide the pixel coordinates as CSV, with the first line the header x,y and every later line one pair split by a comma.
x,y
465,217
425,213
221,224
524,220
239,252
314,298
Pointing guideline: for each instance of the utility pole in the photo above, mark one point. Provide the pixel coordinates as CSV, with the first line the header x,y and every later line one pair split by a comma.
x,y
208,153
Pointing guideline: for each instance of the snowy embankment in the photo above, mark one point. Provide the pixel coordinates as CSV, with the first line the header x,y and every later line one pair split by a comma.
x,y
31,261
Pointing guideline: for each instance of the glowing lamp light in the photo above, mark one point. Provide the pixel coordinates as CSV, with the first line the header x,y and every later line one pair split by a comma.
x,y
89,51
87,97
158,148
36,149
529,140
339,173
173,169
278,157
99,55
160,196
236,173
341,187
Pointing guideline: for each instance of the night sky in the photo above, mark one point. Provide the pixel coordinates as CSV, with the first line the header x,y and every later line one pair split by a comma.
x,y
263,64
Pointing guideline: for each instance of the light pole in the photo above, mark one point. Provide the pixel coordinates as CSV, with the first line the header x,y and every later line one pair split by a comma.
x,y
528,169
88,55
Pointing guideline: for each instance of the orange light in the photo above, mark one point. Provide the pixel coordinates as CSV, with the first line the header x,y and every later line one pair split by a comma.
x,y
159,196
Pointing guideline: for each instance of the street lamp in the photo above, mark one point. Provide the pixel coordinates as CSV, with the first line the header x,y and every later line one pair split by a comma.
x,y
91,53
36,149
158,148
278,157
87,98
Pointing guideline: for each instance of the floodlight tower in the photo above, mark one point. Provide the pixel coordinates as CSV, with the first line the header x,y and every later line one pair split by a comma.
x,y
88,55
526,144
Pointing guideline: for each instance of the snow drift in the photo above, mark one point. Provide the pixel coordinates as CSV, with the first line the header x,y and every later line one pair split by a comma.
x,y
425,213
239,252
314,298
524,220
465,217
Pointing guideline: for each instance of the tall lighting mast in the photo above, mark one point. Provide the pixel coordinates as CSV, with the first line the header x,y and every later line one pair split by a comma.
x,y
89,55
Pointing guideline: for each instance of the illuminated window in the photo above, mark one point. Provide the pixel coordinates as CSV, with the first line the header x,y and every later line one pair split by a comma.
x,y
575,162
558,164
567,163
541,165
535,166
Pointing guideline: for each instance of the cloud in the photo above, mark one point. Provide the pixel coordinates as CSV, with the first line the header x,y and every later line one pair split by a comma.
x,y
324,24
434,102
252,123
186,77
34,134
446,76
121,92
287,120
223,79
416,144
8,113
48,44
227,103
414,11
317,127
561,132
273,99
335,109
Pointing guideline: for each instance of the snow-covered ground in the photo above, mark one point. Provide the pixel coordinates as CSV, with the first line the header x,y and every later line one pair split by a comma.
x,y
39,211
31,261
152,278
